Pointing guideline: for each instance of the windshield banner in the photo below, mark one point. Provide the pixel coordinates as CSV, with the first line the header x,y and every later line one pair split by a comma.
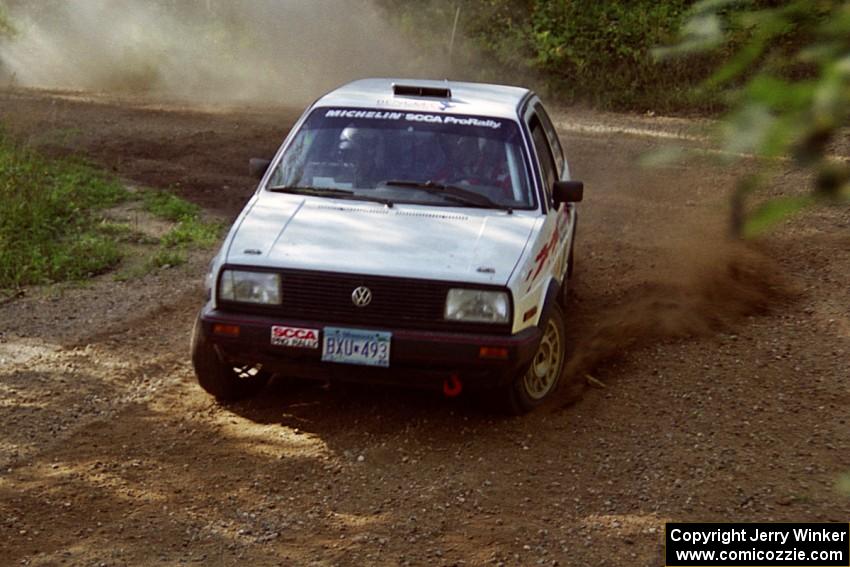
x,y
414,117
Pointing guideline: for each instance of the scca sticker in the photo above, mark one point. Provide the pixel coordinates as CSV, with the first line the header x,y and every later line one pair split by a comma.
x,y
295,337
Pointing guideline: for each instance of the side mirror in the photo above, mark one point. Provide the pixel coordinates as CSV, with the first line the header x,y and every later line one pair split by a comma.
x,y
568,192
257,167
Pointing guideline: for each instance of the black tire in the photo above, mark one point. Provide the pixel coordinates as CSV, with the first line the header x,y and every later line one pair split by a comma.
x,y
225,380
539,382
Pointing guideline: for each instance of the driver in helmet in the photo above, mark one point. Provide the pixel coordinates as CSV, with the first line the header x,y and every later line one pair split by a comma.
x,y
360,149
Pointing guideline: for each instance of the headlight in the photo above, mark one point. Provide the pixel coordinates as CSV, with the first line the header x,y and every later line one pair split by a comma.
x,y
476,306
250,287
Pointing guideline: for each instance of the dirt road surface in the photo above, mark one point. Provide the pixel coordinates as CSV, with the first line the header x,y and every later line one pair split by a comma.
x,y
727,377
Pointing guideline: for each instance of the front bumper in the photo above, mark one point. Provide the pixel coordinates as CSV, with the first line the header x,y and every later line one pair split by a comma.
x,y
417,358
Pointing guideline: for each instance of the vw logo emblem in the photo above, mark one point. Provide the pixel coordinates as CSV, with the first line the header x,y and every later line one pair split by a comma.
x,y
362,296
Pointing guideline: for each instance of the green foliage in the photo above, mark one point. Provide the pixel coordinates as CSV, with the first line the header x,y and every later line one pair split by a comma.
x,y
168,206
602,50
599,52
771,212
787,78
165,258
797,87
51,228
118,231
48,219
193,232
190,229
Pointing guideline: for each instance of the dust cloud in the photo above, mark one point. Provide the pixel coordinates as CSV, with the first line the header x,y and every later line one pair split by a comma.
x,y
268,51
709,289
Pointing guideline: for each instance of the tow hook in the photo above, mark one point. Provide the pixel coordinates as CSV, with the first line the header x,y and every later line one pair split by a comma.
x,y
452,386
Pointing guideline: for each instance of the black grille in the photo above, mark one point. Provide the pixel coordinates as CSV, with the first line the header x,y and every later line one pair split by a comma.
x,y
396,302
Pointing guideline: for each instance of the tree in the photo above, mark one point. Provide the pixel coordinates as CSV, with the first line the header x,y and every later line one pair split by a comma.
x,y
787,72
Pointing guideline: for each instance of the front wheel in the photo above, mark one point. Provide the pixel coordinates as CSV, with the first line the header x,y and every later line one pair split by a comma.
x,y
225,380
541,379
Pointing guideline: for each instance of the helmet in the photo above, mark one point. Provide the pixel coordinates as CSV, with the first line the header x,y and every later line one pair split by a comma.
x,y
348,138
353,138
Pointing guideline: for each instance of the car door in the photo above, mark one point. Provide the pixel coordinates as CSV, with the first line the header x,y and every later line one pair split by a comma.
x,y
569,211
552,249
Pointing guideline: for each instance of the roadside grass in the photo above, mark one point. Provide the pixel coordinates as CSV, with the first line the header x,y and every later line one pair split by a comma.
x,y
49,229
190,231
168,206
124,233
56,226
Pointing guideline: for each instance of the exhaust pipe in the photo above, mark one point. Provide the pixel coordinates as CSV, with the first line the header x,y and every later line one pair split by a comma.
x,y
452,386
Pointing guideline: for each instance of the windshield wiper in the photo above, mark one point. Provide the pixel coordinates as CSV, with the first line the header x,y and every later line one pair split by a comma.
x,y
453,192
328,192
310,190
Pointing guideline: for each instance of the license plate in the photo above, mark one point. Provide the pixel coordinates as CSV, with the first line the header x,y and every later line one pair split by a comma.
x,y
356,346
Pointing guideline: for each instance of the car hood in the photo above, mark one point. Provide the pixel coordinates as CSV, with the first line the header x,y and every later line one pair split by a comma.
x,y
449,244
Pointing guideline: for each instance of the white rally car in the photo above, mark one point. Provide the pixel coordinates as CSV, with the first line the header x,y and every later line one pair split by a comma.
x,y
407,231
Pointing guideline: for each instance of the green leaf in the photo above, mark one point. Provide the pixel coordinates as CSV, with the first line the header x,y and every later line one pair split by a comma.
x,y
779,94
700,33
765,25
746,130
772,212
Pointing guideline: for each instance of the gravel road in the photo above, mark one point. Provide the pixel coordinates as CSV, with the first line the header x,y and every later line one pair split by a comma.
x,y
726,374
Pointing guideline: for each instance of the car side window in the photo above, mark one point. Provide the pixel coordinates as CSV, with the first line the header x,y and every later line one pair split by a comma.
x,y
554,142
547,161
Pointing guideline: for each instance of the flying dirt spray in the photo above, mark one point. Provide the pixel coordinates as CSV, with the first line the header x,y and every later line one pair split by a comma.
x,y
278,51
707,290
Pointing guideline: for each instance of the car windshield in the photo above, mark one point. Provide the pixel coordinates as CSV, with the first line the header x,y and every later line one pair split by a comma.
x,y
412,157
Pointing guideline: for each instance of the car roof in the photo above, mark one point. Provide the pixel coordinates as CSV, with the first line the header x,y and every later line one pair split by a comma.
x,y
481,99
